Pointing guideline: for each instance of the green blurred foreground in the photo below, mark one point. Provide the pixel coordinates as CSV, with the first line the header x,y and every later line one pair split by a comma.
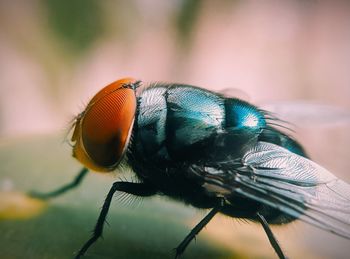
x,y
149,230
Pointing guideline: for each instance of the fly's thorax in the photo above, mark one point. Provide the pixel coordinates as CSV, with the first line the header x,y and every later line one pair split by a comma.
x,y
175,122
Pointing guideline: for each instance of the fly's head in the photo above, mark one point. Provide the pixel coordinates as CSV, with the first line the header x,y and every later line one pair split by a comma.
x,y
102,131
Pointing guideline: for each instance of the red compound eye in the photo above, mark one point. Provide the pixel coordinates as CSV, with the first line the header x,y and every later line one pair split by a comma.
x,y
102,131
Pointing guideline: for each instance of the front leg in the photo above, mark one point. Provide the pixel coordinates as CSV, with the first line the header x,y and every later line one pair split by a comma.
x,y
77,180
139,189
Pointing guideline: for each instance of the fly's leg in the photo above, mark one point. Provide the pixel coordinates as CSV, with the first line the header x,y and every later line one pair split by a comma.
x,y
272,239
77,180
181,248
139,189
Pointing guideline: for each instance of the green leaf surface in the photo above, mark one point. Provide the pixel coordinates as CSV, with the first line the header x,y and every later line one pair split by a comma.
x,y
149,230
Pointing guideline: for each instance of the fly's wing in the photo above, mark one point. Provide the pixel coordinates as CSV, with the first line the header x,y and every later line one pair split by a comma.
x,y
309,114
285,181
230,92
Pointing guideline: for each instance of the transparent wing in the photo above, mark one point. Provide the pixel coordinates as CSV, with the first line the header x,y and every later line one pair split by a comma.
x,y
285,181
308,113
230,92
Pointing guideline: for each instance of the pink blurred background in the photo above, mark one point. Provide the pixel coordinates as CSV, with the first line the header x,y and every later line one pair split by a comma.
x,y
272,50
55,55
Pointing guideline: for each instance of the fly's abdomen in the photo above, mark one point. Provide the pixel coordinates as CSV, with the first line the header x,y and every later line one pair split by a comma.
x,y
243,124
185,123
240,115
279,138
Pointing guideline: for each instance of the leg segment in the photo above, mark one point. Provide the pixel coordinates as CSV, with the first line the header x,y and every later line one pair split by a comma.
x,y
63,189
272,239
140,189
181,248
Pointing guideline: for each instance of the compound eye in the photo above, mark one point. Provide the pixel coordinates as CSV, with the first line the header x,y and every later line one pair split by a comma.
x,y
105,126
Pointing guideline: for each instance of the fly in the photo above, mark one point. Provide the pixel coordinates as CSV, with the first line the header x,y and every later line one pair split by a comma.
x,y
207,150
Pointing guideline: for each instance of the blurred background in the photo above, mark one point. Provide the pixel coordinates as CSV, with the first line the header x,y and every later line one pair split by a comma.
x,y
291,56
54,55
